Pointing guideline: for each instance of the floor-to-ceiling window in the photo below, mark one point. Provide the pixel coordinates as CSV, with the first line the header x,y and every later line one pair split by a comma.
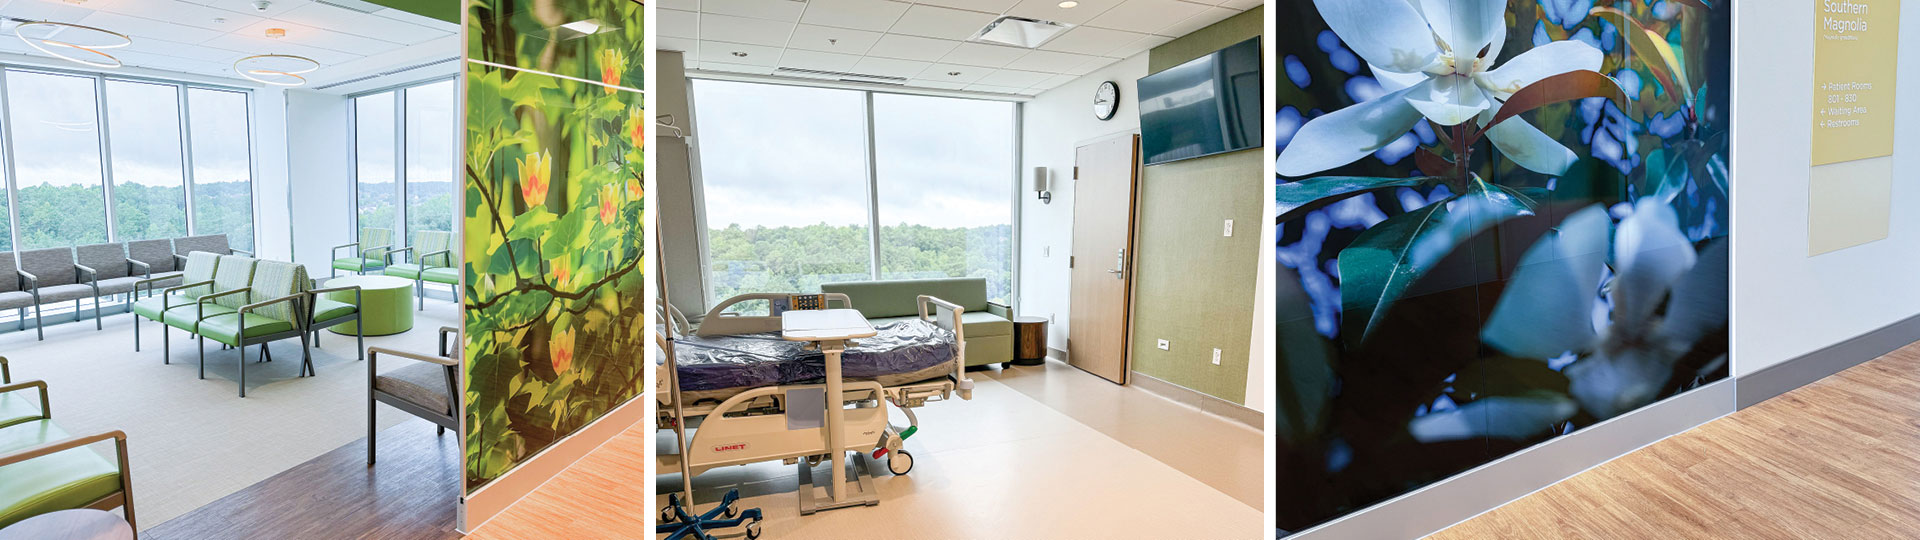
x,y
56,151
404,159
149,175
804,186
222,165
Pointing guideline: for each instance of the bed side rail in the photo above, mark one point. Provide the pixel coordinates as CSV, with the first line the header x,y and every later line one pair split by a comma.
x,y
719,322
947,315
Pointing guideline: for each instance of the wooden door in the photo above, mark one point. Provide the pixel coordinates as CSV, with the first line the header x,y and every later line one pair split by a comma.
x,y
1105,173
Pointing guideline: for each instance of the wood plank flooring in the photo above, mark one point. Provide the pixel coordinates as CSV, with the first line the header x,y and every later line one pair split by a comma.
x,y
603,495
1839,458
411,493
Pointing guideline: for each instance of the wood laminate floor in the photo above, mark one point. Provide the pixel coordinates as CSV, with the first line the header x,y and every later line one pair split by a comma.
x,y
603,495
1839,458
411,493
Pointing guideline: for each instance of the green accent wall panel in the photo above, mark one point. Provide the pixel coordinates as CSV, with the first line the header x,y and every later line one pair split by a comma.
x,y
554,206
446,10
1192,285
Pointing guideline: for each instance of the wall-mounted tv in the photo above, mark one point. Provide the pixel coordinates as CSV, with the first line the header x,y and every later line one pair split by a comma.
x,y
1203,107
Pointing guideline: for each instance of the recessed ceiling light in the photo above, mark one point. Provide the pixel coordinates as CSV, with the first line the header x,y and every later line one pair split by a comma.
x,y
219,20
588,26
1069,4
739,54
276,33
953,74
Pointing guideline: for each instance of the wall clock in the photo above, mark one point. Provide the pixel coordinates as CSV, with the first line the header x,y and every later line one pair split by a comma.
x,y
1106,100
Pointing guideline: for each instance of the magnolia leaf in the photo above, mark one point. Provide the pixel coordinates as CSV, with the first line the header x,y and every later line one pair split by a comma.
x,y
1640,40
1296,198
1305,364
1384,262
1567,86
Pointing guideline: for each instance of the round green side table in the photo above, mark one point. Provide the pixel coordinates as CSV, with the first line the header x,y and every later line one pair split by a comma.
x,y
386,304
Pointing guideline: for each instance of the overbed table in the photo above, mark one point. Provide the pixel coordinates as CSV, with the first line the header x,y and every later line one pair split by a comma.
x,y
831,329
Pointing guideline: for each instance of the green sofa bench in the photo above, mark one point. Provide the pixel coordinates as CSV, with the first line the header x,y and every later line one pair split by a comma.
x,y
988,326
47,469
432,256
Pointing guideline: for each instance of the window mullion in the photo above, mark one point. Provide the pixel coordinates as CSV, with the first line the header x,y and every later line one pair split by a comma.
x,y
106,153
873,193
186,156
6,147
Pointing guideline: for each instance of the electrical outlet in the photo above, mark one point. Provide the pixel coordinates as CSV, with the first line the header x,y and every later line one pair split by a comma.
x,y
1229,229
1165,346
1046,251
1216,357
1049,318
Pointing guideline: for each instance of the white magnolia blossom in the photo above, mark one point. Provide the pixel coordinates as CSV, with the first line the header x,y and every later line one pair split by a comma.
x,y
1435,59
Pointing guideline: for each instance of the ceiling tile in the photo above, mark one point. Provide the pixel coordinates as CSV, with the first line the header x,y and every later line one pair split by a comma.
x,y
744,30
983,6
1139,46
46,10
939,85
912,48
252,45
1091,40
1054,82
299,34
946,73
993,88
675,23
1092,65
184,50
736,68
1146,16
1050,10
1201,20
979,54
875,15
677,44
829,39
1049,61
890,67
939,22
142,28
344,20
778,10
688,5
179,12
416,19
1009,77
816,60
246,6
722,52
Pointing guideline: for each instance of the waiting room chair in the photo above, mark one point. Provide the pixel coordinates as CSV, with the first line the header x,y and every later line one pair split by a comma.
x,y
326,312
54,277
46,469
154,261
106,268
428,387
16,408
432,256
216,244
369,253
14,292
268,309
232,273
198,274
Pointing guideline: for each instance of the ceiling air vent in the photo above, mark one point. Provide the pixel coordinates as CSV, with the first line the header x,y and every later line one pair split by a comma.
x,y
1019,32
841,76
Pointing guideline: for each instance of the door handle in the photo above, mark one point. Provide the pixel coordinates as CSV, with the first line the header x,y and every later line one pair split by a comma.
x,y
1120,264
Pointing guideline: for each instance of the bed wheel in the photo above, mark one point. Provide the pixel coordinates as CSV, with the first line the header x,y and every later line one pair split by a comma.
x,y
1006,365
666,515
732,512
753,529
900,463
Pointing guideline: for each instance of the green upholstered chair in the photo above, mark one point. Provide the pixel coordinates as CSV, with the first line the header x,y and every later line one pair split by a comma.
x,y
270,308
323,312
432,260
988,326
14,293
47,469
197,272
15,405
233,273
366,255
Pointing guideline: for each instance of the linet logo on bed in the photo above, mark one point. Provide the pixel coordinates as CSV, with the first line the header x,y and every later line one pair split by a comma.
x,y
735,447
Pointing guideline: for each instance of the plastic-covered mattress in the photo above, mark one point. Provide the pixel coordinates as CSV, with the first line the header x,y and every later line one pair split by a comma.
x,y
755,360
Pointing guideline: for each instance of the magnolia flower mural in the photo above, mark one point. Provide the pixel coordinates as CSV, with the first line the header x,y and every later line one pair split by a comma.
x,y
1500,221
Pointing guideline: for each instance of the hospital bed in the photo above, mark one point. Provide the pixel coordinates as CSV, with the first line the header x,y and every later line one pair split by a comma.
x,y
753,387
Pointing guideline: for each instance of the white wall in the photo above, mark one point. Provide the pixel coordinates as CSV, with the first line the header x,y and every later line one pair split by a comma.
x,y
1785,303
272,236
321,212
1052,126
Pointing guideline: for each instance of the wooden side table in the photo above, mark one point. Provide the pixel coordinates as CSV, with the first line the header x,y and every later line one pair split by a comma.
x,y
82,524
1029,341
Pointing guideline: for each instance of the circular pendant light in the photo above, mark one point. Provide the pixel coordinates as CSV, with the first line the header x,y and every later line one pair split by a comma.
x,y
275,69
85,49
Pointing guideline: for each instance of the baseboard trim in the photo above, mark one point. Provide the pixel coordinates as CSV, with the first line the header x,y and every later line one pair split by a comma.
x,y
498,494
1200,400
1445,503
1803,370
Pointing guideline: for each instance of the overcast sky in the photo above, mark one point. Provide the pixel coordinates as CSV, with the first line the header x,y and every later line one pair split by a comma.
x,y
56,131
777,155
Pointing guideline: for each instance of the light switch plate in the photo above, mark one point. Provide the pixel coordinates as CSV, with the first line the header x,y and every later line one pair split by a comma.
x,y
1216,357
1165,346
1229,229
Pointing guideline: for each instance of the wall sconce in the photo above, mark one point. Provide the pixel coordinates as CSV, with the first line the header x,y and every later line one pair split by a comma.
x,y
1040,185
